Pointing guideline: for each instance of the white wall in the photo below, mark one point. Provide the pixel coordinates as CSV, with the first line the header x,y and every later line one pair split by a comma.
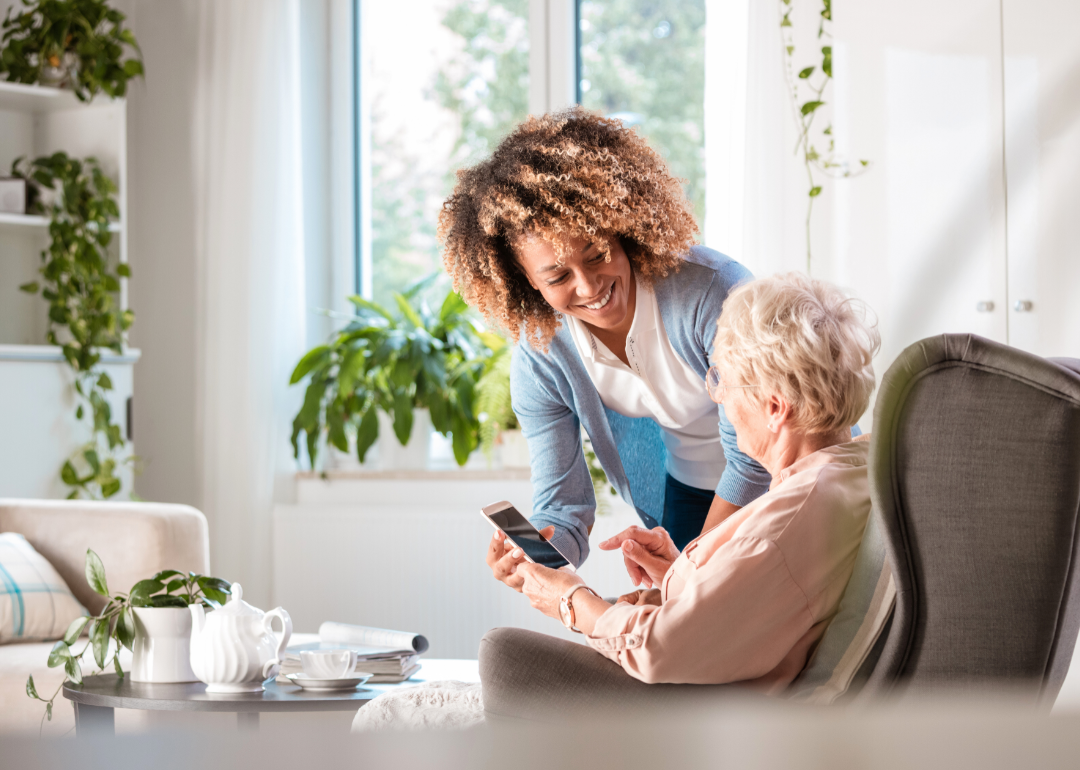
x,y
163,284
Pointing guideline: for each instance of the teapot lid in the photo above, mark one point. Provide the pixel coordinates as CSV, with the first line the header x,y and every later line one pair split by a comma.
x,y
236,606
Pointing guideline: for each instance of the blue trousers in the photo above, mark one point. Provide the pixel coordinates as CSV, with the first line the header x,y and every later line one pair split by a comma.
x,y
685,511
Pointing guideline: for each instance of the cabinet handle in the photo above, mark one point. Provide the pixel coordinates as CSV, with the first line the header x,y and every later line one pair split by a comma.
x,y
1023,306
986,306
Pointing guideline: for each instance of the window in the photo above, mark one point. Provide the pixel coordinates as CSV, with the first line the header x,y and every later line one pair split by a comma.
x,y
441,82
644,61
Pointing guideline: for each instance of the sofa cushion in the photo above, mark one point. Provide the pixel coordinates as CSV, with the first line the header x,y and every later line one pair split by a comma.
x,y
20,714
134,540
35,602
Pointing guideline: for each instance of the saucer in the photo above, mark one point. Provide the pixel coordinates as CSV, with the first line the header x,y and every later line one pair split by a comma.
x,y
345,683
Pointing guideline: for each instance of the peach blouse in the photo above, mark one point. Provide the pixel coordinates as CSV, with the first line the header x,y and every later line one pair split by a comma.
x,y
748,600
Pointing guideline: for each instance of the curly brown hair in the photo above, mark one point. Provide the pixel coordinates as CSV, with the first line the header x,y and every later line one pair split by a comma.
x,y
568,174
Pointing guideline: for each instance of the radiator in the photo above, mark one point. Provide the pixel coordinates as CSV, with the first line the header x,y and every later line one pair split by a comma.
x,y
415,564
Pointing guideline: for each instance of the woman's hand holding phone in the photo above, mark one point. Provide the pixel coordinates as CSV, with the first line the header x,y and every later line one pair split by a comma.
x,y
503,557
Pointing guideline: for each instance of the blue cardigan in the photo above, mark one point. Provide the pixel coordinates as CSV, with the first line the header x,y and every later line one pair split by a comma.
x,y
553,397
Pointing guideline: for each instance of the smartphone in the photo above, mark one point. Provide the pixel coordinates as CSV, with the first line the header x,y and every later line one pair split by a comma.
x,y
506,518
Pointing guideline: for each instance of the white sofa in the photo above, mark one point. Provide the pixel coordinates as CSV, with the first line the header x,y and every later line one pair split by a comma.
x,y
134,540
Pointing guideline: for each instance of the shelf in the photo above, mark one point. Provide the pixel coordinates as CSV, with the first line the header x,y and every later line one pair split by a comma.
x,y
22,221
51,354
29,221
16,97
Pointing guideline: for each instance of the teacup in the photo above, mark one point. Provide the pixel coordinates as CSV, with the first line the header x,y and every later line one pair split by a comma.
x,y
328,664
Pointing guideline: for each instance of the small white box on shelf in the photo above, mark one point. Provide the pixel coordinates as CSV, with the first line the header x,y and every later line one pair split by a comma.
x,y
12,195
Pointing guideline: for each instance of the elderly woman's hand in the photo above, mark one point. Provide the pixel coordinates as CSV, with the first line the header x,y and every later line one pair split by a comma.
x,y
647,553
545,586
503,558
642,596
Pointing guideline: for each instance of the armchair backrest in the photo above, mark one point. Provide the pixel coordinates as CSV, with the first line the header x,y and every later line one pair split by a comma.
x,y
134,540
975,471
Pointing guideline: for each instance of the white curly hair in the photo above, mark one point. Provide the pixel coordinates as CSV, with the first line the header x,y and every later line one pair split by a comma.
x,y
801,339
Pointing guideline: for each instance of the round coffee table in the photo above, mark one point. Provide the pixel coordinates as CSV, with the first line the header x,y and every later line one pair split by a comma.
x,y
97,696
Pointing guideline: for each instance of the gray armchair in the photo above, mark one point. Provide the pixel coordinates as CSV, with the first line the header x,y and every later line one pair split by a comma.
x,y
975,479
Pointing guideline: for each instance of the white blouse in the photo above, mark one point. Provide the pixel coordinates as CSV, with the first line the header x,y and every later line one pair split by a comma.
x,y
659,385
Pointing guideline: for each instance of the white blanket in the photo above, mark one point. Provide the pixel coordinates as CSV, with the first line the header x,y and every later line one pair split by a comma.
x,y
428,706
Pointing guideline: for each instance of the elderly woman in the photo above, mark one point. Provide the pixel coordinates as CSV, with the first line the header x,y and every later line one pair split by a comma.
x,y
575,238
748,600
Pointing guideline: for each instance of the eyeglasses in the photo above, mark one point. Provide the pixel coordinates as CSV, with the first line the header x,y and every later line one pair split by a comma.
x,y
715,383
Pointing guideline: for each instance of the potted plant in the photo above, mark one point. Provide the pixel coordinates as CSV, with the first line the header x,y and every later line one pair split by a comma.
x,y
395,363
75,44
152,620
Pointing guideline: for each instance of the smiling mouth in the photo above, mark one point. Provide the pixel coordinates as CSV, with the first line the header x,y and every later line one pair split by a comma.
x,y
603,300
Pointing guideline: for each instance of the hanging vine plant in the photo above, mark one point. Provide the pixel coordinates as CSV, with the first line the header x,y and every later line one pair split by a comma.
x,y
808,90
82,286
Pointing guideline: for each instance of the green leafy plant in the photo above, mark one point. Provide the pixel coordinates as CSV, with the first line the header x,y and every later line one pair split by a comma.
x,y
813,79
76,44
82,286
394,362
116,622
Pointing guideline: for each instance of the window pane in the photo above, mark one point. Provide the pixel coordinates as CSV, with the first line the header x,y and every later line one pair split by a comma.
x,y
644,61
446,79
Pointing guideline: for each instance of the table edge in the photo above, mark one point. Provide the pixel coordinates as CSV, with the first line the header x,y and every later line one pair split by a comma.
x,y
228,703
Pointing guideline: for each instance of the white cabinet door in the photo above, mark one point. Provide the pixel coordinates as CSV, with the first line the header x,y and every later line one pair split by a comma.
x,y
1042,166
921,236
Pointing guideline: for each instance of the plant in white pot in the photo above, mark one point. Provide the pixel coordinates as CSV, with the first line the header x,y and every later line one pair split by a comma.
x,y
152,620
391,367
161,651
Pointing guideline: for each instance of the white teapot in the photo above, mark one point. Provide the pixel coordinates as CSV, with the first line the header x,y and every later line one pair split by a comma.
x,y
234,648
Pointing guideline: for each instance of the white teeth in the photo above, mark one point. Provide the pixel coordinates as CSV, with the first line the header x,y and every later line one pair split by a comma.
x,y
604,301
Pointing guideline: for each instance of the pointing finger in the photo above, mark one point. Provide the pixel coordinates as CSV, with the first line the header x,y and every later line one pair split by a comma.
x,y
630,533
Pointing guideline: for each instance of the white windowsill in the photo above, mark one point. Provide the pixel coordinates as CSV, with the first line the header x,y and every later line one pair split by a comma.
x,y
469,474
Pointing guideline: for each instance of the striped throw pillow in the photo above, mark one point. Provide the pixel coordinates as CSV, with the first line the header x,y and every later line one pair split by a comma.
x,y
35,602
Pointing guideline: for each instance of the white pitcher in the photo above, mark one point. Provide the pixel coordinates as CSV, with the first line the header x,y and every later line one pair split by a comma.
x,y
234,648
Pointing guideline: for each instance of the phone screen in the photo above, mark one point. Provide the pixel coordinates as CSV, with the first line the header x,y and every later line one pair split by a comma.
x,y
527,538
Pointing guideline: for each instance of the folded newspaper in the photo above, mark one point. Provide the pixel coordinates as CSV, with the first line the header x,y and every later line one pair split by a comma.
x,y
392,656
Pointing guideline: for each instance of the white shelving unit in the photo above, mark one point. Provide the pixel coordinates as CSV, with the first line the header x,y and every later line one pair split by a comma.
x,y
16,222
36,399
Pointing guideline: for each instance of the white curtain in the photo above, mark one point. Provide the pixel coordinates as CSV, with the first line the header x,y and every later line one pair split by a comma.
x,y
757,188
250,274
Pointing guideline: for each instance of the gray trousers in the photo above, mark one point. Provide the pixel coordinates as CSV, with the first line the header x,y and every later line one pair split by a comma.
x,y
527,675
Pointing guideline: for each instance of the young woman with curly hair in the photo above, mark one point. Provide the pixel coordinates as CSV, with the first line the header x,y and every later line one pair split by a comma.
x,y
576,239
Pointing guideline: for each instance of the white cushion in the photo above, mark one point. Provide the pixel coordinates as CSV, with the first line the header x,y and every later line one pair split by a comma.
x,y
35,602
832,673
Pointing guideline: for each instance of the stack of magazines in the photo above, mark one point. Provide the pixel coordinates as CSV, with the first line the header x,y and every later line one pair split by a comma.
x,y
391,656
